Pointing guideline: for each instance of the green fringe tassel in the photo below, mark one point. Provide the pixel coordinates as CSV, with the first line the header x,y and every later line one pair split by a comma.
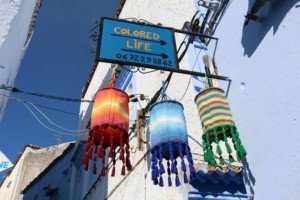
x,y
222,161
231,159
231,133
228,148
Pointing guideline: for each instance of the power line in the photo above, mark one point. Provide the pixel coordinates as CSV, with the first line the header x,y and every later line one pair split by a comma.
x,y
190,76
16,90
51,122
50,108
26,104
41,123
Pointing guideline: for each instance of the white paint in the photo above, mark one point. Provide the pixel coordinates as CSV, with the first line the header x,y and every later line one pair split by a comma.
x,y
17,19
4,162
264,98
139,185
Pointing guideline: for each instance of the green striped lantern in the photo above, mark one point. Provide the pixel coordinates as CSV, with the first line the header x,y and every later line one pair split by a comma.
x,y
218,125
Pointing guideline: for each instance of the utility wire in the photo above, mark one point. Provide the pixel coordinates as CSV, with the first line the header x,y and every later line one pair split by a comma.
x,y
16,90
51,108
41,123
191,77
51,122
26,104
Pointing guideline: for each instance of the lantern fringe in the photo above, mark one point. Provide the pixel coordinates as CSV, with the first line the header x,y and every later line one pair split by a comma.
x,y
161,181
169,181
181,151
113,171
216,134
177,181
99,152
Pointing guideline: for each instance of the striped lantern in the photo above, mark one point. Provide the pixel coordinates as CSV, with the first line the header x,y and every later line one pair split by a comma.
x,y
109,130
218,125
169,141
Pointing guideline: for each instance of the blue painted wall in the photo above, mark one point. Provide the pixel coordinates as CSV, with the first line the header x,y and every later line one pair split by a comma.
x,y
263,61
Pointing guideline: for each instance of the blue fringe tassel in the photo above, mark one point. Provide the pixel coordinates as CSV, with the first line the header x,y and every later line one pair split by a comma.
x,y
154,174
153,157
169,181
177,181
161,181
180,151
173,168
158,167
161,168
171,152
192,172
153,165
185,178
183,167
160,154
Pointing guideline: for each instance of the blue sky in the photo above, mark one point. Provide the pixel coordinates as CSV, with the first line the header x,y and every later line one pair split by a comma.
x,y
57,62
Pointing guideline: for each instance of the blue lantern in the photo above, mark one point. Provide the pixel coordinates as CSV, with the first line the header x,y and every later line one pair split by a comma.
x,y
169,141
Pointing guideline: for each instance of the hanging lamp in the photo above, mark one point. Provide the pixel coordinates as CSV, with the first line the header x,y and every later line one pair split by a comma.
x,y
169,141
109,129
218,125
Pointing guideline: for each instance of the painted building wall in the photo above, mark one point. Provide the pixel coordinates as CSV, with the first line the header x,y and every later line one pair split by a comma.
x,y
17,19
138,184
32,162
55,182
263,60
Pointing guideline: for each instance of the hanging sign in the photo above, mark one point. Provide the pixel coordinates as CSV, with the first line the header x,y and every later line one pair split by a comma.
x,y
4,162
137,44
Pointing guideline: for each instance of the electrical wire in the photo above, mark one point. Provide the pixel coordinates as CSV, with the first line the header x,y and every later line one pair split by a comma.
x,y
16,90
41,123
191,76
51,122
51,108
26,104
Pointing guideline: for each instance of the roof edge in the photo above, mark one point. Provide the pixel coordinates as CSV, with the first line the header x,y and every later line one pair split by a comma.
x,y
67,150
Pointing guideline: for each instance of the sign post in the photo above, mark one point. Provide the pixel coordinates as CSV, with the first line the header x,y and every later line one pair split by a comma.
x,y
130,43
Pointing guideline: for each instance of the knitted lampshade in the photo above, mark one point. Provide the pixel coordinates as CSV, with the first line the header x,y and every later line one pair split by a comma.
x,y
169,141
218,125
109,129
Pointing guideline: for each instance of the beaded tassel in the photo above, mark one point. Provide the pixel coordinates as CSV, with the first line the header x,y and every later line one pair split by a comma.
x,y
158,169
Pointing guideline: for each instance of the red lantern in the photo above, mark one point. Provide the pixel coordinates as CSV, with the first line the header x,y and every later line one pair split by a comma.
x,y
109,130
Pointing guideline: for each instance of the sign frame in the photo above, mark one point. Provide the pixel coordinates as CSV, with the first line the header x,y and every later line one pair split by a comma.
x,y
157,67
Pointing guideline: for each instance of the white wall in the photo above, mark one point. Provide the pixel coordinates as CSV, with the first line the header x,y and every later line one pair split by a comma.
x,y
139,185
263,60
15,31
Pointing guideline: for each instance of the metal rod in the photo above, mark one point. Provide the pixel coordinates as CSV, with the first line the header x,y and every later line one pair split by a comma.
x,y
194,34
182,71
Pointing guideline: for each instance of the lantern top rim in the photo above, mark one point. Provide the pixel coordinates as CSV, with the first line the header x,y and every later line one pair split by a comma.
x,y
207,90
171,101
114,88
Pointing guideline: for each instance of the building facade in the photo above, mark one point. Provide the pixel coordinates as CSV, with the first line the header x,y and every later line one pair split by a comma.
x,y
32,163
255,57
16,28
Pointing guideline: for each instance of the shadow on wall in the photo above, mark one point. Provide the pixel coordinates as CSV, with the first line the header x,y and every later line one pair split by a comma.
x,y
248,176
272,14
